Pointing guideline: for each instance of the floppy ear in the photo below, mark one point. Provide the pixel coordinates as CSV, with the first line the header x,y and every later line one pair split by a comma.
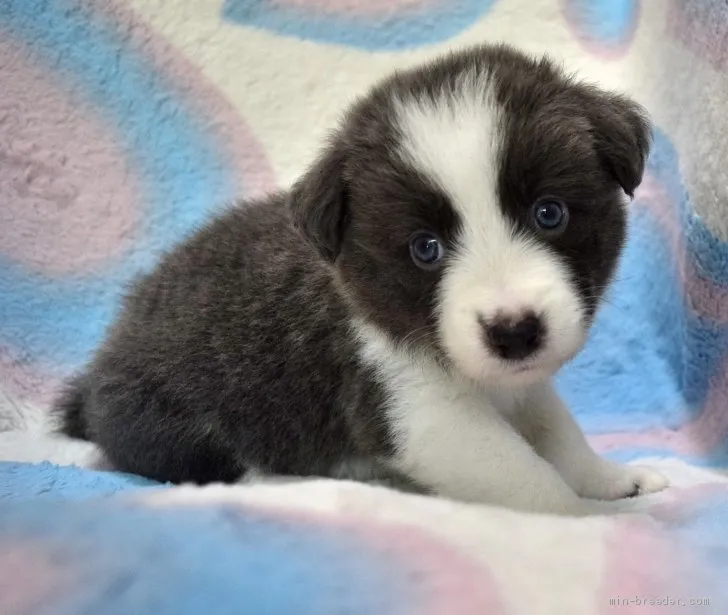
x,y
623,136
317,203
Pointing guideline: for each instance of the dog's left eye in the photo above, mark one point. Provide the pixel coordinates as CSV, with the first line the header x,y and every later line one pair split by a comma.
x,y
426,250
550,214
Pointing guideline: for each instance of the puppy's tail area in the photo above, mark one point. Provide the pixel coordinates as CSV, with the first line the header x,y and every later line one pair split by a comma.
x,y
69,409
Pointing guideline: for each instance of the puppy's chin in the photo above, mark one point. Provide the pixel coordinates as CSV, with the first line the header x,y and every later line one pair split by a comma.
x,y
520,375
510,375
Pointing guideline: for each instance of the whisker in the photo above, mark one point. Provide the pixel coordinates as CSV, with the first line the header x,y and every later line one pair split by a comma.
x,y
417,331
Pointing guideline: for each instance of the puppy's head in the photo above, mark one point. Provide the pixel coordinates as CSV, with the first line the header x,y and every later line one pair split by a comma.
x,y
475,209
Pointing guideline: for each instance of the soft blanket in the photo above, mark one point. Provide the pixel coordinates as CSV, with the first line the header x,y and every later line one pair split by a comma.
x,y
323,547
123,124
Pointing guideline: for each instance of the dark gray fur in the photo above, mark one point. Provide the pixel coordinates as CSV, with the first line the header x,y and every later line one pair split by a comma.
x,y
236,351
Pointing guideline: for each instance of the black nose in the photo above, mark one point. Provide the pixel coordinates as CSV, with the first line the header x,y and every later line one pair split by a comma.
x,y
514,339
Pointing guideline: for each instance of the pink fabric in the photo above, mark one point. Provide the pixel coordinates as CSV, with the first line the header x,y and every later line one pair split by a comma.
x,y
66,182
31,580
631,579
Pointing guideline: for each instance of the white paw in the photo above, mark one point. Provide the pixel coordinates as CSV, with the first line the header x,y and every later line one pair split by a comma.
x,y
646,480
624,481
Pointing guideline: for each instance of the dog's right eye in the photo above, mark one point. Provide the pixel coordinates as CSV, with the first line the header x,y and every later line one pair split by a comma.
x,y
426,250
550,215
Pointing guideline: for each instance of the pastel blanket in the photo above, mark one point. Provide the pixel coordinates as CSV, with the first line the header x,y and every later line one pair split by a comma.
x,y
78,542
125,123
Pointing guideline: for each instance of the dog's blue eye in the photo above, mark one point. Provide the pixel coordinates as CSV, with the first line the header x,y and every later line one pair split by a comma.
x,y
550,214
426,250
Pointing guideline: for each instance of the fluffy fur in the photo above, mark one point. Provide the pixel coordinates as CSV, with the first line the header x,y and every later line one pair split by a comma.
x,y
299,336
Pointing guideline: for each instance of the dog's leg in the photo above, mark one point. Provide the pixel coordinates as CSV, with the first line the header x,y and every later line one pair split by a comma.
x,y
473,454
369,471
547,423
359,469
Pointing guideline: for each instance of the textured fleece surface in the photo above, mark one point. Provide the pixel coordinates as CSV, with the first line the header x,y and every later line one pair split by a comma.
x,y
72,544
124,123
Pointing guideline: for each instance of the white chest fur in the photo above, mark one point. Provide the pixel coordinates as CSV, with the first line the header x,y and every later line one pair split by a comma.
x,y
440,425
517,447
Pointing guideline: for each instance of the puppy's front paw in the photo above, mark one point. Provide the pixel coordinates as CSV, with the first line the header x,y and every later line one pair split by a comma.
x,y
615,482
631,481
642,480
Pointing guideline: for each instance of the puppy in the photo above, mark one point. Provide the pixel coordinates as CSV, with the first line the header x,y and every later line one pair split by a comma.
x,y
404,305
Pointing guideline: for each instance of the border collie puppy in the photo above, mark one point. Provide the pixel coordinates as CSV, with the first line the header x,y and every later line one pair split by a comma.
x,y
404,306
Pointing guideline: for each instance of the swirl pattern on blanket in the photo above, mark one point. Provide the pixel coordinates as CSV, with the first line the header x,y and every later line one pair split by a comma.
x,y
113,146
382,24
605,27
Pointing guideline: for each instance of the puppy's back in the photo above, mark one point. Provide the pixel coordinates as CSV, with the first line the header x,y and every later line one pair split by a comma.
x,y
226,356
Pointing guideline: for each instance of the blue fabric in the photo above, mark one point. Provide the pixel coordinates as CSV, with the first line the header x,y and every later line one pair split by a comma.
x,y
123,558
22,481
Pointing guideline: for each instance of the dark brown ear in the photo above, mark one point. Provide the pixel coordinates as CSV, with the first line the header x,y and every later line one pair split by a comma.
x,y
318,203
623,136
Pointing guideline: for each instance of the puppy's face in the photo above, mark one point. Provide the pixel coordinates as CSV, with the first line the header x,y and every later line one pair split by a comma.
x,y
475,209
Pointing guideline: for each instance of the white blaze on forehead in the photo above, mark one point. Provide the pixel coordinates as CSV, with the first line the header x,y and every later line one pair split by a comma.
x,y
456,140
